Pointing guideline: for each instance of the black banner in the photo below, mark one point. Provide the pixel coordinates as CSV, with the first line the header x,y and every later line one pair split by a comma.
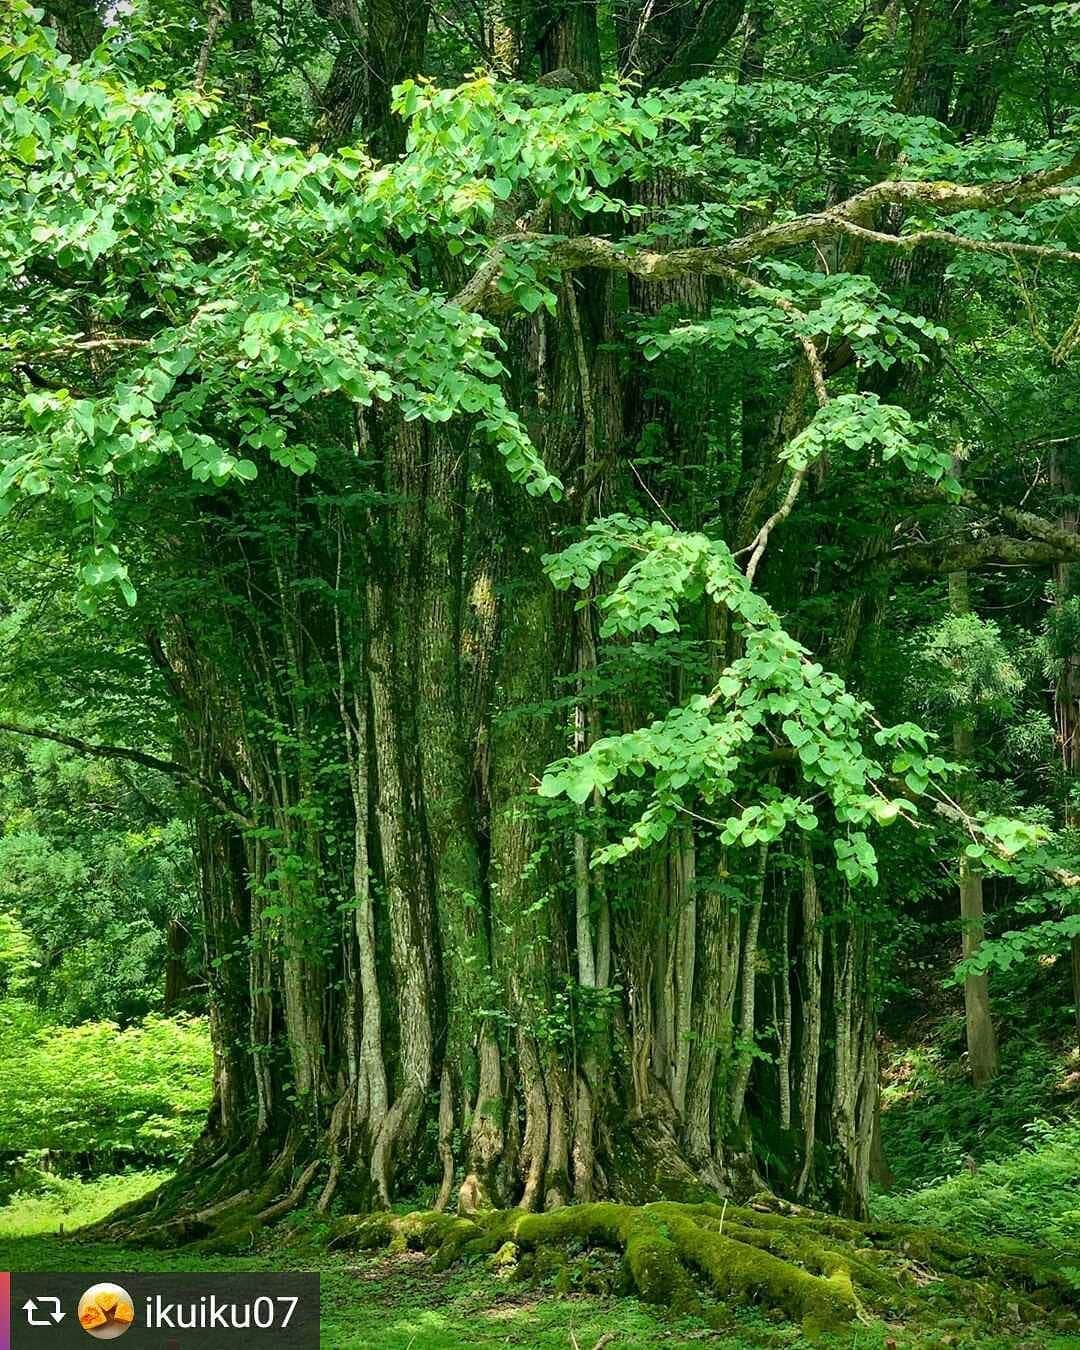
x,y
166,1311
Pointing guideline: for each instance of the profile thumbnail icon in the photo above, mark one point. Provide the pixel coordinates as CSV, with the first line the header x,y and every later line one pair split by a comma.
x,y
106,1311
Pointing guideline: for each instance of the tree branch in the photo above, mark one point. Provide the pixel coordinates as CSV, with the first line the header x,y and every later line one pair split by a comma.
x,y
1065,541
217,13
848,217
180,772
927,559
1002,248
955,816
756,547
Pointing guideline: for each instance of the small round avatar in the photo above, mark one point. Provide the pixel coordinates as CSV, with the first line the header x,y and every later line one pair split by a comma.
x,y
106,1311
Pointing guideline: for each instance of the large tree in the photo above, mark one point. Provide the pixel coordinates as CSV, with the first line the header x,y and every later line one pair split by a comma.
x,y
474,458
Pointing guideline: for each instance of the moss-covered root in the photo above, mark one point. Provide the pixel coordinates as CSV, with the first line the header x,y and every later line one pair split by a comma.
x,y
421,1231
743,1272
661,1244
794,1229
653,1260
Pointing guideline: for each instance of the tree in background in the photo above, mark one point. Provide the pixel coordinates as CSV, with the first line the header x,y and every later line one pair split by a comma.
x,y
95,858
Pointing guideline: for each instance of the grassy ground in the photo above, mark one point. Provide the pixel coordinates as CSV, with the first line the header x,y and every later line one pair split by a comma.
x,y
397,1303
59,1205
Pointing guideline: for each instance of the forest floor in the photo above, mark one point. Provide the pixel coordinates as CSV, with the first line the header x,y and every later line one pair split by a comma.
x,y
399,1303
1003,1164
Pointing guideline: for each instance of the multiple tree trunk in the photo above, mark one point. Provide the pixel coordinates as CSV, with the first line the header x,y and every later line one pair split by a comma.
x,y
416,976
417,980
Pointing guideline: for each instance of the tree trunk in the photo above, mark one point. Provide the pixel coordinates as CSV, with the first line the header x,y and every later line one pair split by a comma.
x,y
177,937
981,1039
1067,690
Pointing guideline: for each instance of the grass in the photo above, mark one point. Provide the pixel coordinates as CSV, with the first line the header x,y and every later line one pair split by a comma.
x,y
391,1302
398,1303
59,1204
394,1304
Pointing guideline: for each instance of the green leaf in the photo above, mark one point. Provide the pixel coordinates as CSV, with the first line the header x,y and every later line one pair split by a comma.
x,y
530,298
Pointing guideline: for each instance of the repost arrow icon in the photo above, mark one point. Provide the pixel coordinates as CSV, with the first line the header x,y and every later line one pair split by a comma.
x,y
30,1308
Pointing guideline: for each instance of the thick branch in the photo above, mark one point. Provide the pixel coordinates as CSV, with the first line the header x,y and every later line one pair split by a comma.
x,y
949,197
935,557
1002,248
1048,542
849,217
1066,542
89,344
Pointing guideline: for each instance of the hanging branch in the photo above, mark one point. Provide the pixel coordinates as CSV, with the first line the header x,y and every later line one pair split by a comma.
x,y
179,772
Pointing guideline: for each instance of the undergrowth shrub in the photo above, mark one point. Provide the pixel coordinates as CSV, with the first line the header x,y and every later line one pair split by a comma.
x,y
935,1122
94,1097
1032,1196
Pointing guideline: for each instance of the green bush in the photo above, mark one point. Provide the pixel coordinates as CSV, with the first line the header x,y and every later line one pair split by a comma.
x,y
1032,1196
98,1095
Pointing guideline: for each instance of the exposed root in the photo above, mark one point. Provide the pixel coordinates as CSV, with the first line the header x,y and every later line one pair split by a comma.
x,y
330,1189
289,1202
218,1208
812,1268
817,1269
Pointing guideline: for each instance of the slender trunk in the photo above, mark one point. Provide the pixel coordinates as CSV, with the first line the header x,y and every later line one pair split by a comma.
x,y
681,885
747,998
592,920
1067,695
782,1015
981,1040
706,1116
410,934
853,1106
812,947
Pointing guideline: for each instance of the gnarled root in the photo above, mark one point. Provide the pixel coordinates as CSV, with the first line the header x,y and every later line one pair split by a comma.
x,y
217,1208
812,1268
661,1244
